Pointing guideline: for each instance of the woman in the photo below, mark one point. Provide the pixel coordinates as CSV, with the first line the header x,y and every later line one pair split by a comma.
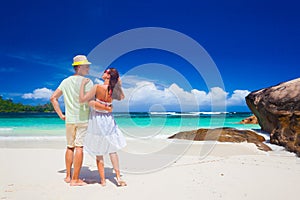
x,y
103,135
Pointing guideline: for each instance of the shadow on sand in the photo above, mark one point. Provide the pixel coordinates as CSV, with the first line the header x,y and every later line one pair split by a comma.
x,y
92,176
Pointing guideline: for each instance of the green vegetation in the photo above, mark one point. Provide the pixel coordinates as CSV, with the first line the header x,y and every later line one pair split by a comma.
x,y
7,106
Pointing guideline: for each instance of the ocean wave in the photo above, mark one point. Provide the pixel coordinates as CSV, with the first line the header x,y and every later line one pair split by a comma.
x,y
6,130
209,113
187,113
162,113
32,138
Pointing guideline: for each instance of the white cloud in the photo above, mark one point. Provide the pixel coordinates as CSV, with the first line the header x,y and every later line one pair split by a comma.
x,y
98,81
132,80
216,96
40,93
238,98
145,94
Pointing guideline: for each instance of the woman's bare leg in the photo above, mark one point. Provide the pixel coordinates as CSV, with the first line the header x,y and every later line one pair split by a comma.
x,y
115,162
100,165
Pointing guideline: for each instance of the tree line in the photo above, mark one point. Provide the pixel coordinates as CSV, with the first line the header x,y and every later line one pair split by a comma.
x,y
7,106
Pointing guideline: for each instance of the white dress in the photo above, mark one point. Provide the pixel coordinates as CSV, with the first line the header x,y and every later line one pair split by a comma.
x,y
103,134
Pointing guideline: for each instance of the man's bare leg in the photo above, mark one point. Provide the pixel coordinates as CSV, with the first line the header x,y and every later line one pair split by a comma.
x,y
78,158
69,161
100,165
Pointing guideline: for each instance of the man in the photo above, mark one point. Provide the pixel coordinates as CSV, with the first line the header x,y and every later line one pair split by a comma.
x,y
76,117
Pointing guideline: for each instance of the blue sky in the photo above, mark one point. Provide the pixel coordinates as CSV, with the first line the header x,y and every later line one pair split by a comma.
x,y
254,44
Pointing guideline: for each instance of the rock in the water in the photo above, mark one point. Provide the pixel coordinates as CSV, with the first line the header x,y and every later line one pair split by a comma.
x,y
249,120
224,135
277,109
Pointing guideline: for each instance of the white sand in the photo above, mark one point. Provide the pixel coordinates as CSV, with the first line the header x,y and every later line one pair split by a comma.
x,y
229,171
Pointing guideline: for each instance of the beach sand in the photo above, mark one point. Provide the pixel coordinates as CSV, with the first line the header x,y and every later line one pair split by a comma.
x,y
35,170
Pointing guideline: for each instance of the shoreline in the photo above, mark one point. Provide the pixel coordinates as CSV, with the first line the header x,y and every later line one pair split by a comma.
x,y
58,141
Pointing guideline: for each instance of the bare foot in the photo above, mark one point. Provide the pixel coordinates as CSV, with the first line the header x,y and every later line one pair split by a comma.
x,y
77,182
67,179
103,182
120,182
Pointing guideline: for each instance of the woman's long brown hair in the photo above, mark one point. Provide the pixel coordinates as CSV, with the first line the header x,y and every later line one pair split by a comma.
x,y
114,78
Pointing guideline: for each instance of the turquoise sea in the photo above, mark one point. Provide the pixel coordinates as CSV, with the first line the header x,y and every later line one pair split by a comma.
x,y
138,124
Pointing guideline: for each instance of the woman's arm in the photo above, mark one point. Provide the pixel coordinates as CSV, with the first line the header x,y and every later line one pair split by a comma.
x,y
89,95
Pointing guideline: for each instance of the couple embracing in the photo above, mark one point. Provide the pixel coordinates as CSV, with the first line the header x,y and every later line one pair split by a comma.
x,y
89,120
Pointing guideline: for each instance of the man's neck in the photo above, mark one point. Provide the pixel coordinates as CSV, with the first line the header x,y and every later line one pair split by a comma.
x,y
78,74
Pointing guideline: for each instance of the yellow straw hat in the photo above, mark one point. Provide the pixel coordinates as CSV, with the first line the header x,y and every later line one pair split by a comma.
x,y
80,60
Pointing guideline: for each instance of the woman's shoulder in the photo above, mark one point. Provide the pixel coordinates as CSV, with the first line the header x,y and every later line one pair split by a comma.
x,y
101,87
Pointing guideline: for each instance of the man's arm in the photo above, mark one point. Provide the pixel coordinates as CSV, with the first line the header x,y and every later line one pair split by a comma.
x,y
98,106
54,100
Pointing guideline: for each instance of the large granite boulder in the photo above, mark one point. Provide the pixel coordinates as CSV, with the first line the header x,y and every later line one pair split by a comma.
x,y
223,135
277,109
